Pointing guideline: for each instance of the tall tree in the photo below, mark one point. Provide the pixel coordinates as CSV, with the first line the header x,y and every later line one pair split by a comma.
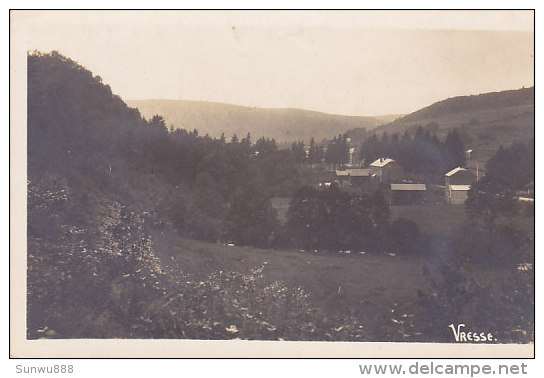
x,y
298,152
315,154
337,150
455,149
251,220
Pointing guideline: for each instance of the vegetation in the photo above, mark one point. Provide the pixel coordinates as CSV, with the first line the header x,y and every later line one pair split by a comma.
x,y
509,175
334,220
493,206
422,155
455,297
337,150
105,281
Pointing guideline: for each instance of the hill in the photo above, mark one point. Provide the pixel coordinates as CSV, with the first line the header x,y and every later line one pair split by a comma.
x,y
284,125
485,121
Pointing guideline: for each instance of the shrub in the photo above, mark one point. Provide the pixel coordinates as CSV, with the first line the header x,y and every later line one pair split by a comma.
x,y
455,297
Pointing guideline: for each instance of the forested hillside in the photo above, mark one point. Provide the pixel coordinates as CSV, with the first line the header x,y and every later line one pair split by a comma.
x,y
485,121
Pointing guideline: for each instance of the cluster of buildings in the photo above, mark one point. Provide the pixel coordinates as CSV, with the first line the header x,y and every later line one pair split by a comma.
x,y
387,172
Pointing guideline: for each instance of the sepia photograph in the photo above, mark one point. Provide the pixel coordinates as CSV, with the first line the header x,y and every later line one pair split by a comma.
x,y
348,178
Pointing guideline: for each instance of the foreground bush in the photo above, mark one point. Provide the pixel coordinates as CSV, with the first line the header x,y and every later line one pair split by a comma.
x,y
455,297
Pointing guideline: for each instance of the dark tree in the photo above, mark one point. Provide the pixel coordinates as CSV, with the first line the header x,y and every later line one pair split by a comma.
x,y
332,219
206,211
455,150
337,151
315,153
251,220
298,152
158,122
509,174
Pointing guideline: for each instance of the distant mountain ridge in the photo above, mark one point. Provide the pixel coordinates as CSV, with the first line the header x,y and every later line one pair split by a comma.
x,y
283,124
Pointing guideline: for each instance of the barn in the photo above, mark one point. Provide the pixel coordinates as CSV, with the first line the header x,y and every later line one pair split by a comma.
x,y
459,176
408,194
385,170
457,185
457,194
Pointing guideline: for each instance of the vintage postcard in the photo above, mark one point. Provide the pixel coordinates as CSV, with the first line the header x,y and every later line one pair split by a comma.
x,y
272,183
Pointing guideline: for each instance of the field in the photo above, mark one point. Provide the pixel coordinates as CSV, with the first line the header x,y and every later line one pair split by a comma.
x,y
438,219
332,279
376,288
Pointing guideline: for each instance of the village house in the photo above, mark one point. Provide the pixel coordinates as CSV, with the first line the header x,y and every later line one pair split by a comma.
x,y
407,194
359,176
457,194
459,176
385,170
457,185
342,177
353,177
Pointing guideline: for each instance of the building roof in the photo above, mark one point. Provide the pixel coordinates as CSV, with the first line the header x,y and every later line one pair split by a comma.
x,y
361,172
356,172
382,162
460,187
417,187
454,171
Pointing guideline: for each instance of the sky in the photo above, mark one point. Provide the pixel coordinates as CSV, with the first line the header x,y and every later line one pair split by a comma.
x,y
341,62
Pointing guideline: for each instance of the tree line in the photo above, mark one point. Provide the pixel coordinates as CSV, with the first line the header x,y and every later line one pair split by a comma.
x,y
421,154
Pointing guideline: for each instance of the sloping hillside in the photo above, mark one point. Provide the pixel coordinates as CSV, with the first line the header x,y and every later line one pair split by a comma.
x,y
477,103
485,121
284,125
